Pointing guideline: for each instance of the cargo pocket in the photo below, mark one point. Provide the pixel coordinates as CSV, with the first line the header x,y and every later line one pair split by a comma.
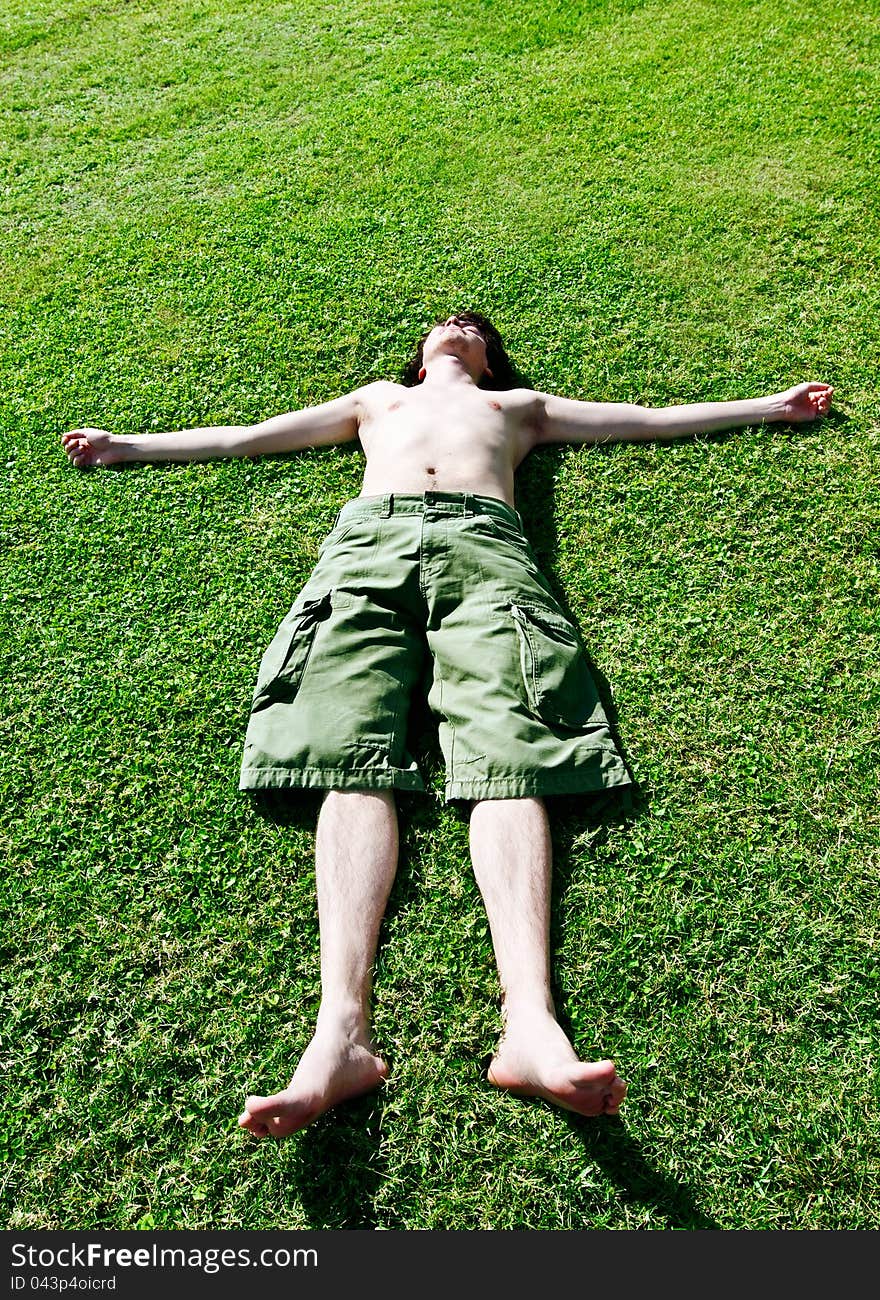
x,y
501,530
556,677
284,662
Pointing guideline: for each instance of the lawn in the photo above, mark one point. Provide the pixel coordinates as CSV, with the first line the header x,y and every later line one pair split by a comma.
x,y
212,212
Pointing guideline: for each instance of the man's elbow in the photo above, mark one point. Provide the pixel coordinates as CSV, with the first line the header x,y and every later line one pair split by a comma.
x,y
626,422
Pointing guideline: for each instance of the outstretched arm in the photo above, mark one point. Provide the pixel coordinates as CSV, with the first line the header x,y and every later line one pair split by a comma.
x,y
335,421
565,420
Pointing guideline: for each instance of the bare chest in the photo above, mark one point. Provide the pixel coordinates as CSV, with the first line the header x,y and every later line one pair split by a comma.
x,y
415,426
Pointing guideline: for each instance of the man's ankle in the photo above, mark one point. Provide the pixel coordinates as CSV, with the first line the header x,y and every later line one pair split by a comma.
x,y
349,1020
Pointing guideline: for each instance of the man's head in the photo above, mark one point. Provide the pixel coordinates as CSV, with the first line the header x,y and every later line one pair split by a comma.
x,y
475,341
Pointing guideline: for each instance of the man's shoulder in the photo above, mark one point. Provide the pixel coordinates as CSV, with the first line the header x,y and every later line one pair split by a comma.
x,y
376,391
521,405
380,386
517,398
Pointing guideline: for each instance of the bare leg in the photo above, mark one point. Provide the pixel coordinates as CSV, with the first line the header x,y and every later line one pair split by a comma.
x,y
356,858
511,852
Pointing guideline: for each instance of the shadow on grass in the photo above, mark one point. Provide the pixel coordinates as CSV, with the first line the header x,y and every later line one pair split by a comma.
x,y
535,501
341,1167
288,807
608,1144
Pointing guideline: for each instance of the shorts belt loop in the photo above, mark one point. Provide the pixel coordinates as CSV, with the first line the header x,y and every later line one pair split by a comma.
x,y
387,506
469,508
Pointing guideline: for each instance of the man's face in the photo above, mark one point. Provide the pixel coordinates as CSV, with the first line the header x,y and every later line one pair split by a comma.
x,y
457,338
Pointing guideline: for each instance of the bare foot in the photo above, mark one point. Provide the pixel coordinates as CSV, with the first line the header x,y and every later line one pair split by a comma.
x,y
331,1070
535,1059
87,448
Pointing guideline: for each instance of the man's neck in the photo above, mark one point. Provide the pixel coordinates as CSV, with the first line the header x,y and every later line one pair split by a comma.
x,y
444,371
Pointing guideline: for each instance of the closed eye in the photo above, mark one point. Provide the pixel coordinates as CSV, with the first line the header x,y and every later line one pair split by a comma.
x,y
469,325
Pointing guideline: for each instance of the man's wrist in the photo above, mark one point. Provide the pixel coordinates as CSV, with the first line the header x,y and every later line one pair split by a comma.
x,y
772,407
124,448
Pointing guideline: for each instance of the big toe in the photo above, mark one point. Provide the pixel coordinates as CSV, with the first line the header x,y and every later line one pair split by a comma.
x,y
591,1089
592,1074
275,1116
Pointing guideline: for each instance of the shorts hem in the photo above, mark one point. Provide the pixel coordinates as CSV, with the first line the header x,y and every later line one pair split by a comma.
x,y
531,787
314,778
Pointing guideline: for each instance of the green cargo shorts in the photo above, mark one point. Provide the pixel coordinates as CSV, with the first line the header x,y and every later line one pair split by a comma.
x,y
441,593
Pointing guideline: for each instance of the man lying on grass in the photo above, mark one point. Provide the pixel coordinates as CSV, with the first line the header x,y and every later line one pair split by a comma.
x,y
428,582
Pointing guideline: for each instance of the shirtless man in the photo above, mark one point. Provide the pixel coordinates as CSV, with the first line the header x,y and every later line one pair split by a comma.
x,y
440,457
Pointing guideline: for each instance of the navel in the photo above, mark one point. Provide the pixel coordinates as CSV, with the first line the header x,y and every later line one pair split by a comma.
x,y
430,470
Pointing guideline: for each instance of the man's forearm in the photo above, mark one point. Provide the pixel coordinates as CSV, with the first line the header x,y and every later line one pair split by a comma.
x,y
706,417
185,444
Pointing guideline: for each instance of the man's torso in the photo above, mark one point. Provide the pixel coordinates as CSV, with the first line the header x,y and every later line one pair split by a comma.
x,y
449,438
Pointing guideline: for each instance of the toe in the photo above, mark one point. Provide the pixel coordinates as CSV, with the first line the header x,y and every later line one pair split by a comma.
x,y
598,1074
260,1108
614,1097
252,1126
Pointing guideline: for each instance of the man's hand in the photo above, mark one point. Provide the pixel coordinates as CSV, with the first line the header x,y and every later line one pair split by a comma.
x,y
89,447
805,402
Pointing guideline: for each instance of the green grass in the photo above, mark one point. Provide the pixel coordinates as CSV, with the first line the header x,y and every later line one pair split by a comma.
x,y
213,212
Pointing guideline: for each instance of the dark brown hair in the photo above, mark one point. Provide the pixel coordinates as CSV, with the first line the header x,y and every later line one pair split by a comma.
x,y
503,372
